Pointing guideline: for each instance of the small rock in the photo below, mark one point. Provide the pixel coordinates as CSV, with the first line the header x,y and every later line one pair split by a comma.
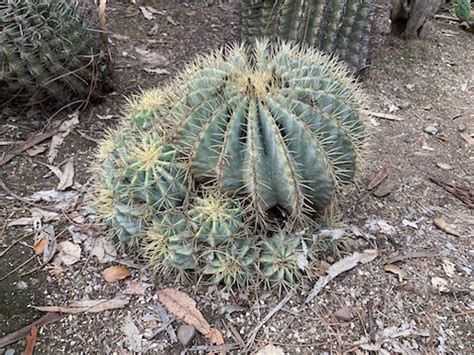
x,y
462,127
186,334
343,314
22,285
34,281
431,130
384,188
9,351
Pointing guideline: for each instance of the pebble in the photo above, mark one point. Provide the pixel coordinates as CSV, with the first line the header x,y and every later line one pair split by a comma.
x,y
186,334
22,285
431,130
461,127
9,351
343,314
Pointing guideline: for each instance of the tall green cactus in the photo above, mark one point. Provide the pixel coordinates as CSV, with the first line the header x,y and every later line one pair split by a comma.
x,y
278,126
463,9
47,51
336,26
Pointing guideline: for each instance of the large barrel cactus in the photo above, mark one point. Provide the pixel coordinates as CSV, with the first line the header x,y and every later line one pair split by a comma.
x,y
243,144
336,26
47,51
278,126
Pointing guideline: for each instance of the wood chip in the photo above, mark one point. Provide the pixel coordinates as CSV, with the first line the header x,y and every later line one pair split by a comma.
x,y
395,270
445,227
379,177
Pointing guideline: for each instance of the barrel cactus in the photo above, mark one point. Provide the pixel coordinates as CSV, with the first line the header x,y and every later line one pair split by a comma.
x,y
245,142
47,51
463,9
278,126
337,26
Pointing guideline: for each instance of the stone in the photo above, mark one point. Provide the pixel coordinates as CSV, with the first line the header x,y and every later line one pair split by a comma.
x,y
185,334
384,188
431,130
21,285
343,314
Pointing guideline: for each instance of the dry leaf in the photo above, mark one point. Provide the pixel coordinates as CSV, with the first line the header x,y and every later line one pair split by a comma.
x,y
104,250
34,151
136,288
215,336
40,246
182,306
395,270
445,227
440,283
134,338
343,265
147,13
87,306
67,176
115,273
377,179
449,268
69,253
444,166
270,349
64,130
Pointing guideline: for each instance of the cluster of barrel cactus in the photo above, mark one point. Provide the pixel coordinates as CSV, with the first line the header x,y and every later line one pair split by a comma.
x,y
336,26
48,52
223,173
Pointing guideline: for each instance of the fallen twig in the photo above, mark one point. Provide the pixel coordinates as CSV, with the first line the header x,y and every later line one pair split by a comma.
x,y
31,341
165,318
214,348
28,144
385,116
27,201
19,334
394,258
464,194
253,333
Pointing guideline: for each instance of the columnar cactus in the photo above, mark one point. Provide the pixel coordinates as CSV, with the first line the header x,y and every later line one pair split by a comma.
x,y
278,126
47,51
336,26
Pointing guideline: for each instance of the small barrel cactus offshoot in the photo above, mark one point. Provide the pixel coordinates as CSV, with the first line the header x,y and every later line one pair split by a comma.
x,y
336,26
285,260
216,221
279,126
169,245
47,51
139,174
233,264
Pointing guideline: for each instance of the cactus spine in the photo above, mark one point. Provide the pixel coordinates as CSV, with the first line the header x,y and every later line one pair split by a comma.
x,y
335,26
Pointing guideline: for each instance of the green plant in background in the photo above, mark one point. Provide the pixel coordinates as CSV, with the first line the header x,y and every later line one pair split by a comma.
x,y
47,51
463,9
277,126
244,143
335,26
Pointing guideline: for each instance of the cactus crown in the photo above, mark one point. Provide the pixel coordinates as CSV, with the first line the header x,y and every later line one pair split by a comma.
x,y
278,126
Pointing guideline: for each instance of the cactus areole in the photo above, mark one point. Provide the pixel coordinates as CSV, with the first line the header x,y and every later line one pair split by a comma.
x,y
278,125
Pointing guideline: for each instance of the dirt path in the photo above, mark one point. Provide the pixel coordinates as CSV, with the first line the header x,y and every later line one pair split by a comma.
x,y
427,84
